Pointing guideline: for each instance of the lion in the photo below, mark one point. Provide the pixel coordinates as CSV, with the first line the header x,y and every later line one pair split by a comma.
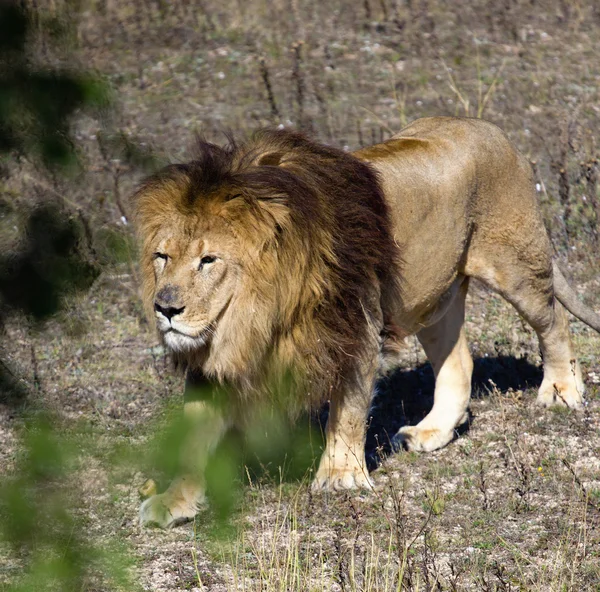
x,y
284,255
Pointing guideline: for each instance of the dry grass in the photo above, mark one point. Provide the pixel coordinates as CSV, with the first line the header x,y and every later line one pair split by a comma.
x,y
513,503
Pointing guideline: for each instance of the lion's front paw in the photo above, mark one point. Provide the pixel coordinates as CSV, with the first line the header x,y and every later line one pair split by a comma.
x,y
422,439
332,479
166,511
561,394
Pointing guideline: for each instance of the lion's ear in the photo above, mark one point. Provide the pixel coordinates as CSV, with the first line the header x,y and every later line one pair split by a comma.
x,y
270,159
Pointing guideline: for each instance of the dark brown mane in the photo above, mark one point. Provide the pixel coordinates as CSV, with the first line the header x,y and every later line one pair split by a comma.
x,y
336,217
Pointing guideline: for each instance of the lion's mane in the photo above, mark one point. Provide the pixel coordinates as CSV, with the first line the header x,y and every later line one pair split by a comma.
x,y
327,260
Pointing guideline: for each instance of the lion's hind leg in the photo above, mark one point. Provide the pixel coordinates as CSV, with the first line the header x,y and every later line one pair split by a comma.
x,y
446,347
526,282
562,383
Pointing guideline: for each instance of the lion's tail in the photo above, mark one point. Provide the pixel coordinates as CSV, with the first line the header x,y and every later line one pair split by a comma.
x,y
567,296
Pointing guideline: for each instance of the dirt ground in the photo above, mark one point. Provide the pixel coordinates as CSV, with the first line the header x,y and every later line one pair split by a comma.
x,y
514,502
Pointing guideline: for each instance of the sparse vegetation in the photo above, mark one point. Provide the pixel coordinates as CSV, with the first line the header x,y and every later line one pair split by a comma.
x,y
513,504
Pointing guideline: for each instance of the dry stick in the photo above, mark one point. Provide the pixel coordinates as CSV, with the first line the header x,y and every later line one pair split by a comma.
x,y
381,122
481,104
298,79
116,169
399,102
590,503
117,172
297,19
195,560
384,10
337,545
325,114
37,384
328,57
560,167
359,134
483,488
87,231
564,192
590,172
264,72
464,101
208,17
538,177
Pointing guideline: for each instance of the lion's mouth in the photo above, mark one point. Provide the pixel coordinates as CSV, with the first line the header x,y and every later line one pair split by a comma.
x,y
181,341
166,326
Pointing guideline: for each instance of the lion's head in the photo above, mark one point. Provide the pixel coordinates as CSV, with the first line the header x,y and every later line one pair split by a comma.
x,y
265,257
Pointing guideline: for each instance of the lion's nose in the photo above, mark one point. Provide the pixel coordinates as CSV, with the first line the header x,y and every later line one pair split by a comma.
x,y
168,311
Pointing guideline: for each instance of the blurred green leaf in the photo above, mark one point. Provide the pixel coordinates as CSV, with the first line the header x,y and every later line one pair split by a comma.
x,y
48,265
38,523
37,101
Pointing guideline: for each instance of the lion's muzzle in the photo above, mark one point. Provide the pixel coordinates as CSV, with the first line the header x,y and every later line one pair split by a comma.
x,y
166,302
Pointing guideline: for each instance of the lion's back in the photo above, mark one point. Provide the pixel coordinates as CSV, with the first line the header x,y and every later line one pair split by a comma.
x,y
453,185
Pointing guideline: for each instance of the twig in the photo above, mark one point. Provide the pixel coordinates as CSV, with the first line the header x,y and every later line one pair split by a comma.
x,y
577,480
36,375
298,79
381,122
464,101
481,105
590,172
195,560
400,102
264,72
538,177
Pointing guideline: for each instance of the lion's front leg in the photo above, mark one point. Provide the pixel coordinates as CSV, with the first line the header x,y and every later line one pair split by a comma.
x,y
343,463
205,424
178,504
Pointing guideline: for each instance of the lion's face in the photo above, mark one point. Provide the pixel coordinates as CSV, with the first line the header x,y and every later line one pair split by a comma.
x,y
197,272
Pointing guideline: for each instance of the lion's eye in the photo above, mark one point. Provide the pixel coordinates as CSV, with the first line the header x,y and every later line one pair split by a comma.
x,y
206,260
160,256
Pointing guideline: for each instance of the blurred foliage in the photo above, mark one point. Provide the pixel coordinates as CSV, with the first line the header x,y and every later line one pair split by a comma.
x,y
48,264
52,252
271,447
38,527
12,390
37,102
51,257
120,146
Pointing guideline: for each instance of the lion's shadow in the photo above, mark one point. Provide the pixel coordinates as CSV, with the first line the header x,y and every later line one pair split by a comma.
x,y
406,396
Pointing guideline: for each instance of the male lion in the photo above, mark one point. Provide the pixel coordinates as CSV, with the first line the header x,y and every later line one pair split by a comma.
x,y
283,255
